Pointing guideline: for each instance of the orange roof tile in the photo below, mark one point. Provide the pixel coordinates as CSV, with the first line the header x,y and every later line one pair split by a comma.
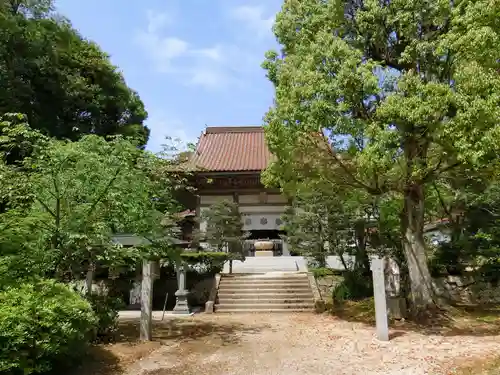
x,y
232,149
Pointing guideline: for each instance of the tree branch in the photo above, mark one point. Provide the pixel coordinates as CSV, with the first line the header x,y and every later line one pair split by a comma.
x,y
441,201
46,207
104,192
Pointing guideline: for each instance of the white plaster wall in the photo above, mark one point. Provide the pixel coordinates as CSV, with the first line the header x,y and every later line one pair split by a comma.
x,y
256,224
255,214
256,198
276,198
211,199
249,199
261,209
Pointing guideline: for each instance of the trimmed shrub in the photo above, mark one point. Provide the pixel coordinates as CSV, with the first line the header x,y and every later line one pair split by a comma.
x,y
43,325
208,261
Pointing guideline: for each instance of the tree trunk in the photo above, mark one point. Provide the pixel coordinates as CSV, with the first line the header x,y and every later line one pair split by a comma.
x,y
362,260
89,279
412,225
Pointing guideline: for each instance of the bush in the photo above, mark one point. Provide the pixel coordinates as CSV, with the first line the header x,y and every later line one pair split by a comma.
x,y
354,287
322,272
208,261
106,309
43,325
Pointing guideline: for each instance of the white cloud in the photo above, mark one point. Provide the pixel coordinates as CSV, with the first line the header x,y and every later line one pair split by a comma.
x,y
254,18
170,54
215,53
209,77
167,130
157,21
212,67
162,49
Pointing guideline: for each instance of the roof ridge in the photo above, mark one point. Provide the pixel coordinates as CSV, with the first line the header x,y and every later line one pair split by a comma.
x,y
233,129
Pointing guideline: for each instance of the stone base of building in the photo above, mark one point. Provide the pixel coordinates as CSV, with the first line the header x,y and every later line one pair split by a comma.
x,y
264,253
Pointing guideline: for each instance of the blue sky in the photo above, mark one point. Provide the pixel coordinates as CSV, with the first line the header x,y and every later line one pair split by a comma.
x,y
195,63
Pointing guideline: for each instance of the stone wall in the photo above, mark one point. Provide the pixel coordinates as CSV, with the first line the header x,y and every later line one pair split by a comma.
x,y
199,288
468,289
326,284
456,289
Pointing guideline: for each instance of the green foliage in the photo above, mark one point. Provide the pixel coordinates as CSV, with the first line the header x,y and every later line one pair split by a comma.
x,y
224,227
84,192
330,220
67,200
106,308
64,83
355,286
322,272
474,239
406,93
207,261
43,325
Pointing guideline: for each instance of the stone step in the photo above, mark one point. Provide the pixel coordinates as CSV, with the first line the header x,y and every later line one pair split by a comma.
x,y
266,276
269,301
264,306
267,295
264,285
263,269
265,292
265,289
264,264
263,311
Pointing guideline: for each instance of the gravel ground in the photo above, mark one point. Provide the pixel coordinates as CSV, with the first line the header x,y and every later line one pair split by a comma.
x,y
304,344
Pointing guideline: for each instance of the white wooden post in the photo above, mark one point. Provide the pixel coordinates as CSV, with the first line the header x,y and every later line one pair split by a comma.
x,y
147,300
377,268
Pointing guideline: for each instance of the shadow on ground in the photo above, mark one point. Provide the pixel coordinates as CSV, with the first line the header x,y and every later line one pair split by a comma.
x,y
185,329
100,361
453,321
194,333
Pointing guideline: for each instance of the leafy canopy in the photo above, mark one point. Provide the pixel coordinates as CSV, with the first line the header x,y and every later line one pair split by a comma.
x,y
75,196
64,83
407,91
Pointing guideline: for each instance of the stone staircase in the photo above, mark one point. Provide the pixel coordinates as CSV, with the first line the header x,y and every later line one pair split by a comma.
x,y
259,265
266,292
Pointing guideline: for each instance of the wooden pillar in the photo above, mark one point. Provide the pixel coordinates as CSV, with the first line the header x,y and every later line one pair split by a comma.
x,y
147,300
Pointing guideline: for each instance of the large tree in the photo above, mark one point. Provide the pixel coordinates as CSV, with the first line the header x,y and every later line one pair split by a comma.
x,y
67,199
63,82
406,91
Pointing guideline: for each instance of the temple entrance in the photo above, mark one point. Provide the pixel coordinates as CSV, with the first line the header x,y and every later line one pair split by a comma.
x,y
261,234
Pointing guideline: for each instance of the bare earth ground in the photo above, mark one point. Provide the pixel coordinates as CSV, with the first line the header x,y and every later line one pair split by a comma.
x,y
263,344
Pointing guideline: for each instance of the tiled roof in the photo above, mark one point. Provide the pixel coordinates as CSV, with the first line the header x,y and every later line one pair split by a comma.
x,y
232,149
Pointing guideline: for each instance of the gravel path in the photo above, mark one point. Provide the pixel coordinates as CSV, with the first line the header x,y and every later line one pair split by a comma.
x,y
306,344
